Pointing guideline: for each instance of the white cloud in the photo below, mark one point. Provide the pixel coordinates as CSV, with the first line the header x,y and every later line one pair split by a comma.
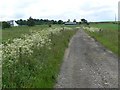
x,y
93,10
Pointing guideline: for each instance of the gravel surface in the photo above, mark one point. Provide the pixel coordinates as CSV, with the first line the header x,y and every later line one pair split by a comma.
x,y
87,64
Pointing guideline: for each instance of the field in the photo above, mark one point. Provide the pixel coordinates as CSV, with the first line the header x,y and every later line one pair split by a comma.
x,y
15,32
32,55
108,36
106,26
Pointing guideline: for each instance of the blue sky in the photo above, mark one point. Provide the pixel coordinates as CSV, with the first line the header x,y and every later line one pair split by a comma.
x,y
92,10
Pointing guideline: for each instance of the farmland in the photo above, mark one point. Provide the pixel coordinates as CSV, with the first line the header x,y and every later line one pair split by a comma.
x,y
15,32
108,36
32,55
107,26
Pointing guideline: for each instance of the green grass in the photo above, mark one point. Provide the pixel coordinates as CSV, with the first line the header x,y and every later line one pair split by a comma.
x,y
43,65
108,37
106,26
16,32
47,77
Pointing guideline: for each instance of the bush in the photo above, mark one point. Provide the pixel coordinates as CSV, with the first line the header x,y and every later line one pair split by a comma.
x,y
5,25
50,25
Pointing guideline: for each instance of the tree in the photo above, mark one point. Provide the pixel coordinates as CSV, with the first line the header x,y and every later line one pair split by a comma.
x,y
5,25
60,22
53,22
68,20
84,21
74,20
30,22
21,22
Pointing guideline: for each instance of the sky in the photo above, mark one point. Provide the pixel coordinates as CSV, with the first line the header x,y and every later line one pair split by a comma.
x,y
92,10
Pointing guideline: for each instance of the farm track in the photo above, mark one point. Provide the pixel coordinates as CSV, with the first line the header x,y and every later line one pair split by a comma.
x,y
87,64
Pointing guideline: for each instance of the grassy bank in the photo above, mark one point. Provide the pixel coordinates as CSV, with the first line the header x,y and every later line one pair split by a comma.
x,y
39,69
108,36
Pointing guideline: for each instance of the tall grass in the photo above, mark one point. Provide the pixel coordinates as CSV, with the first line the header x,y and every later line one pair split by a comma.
x,y
108,37
16,32
40,69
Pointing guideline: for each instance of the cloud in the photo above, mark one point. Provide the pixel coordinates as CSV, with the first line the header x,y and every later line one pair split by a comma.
x,y
92,10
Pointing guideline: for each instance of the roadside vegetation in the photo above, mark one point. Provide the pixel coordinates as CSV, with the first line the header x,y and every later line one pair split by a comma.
x,y
16,32
31,56
106,34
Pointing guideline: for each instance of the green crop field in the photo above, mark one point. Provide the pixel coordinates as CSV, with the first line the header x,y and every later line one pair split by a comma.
x,y
32,56
107,26
108,36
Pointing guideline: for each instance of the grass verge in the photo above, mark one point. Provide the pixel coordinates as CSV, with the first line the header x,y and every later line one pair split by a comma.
x,y
108,37
39,70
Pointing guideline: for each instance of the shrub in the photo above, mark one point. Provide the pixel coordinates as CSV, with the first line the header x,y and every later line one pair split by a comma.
x,y
5,25
50,25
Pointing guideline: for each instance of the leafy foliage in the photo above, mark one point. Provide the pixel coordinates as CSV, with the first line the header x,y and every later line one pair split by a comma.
x,y
33,22
30,22
21,22
60,22
84,21
74,20
5,25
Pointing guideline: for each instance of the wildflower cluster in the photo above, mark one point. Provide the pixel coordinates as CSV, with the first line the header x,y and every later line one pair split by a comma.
x,y
92,29
10,52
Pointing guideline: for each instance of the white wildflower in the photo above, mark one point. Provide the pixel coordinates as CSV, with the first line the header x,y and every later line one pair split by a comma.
x,y
11,51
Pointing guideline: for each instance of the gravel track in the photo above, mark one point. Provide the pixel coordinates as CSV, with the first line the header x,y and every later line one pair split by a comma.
x,y
87,64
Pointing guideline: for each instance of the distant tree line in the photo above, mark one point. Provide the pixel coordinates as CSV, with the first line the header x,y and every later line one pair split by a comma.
x,y
32,22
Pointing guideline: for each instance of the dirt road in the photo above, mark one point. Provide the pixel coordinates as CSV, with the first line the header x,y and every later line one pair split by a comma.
x,y
87,64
